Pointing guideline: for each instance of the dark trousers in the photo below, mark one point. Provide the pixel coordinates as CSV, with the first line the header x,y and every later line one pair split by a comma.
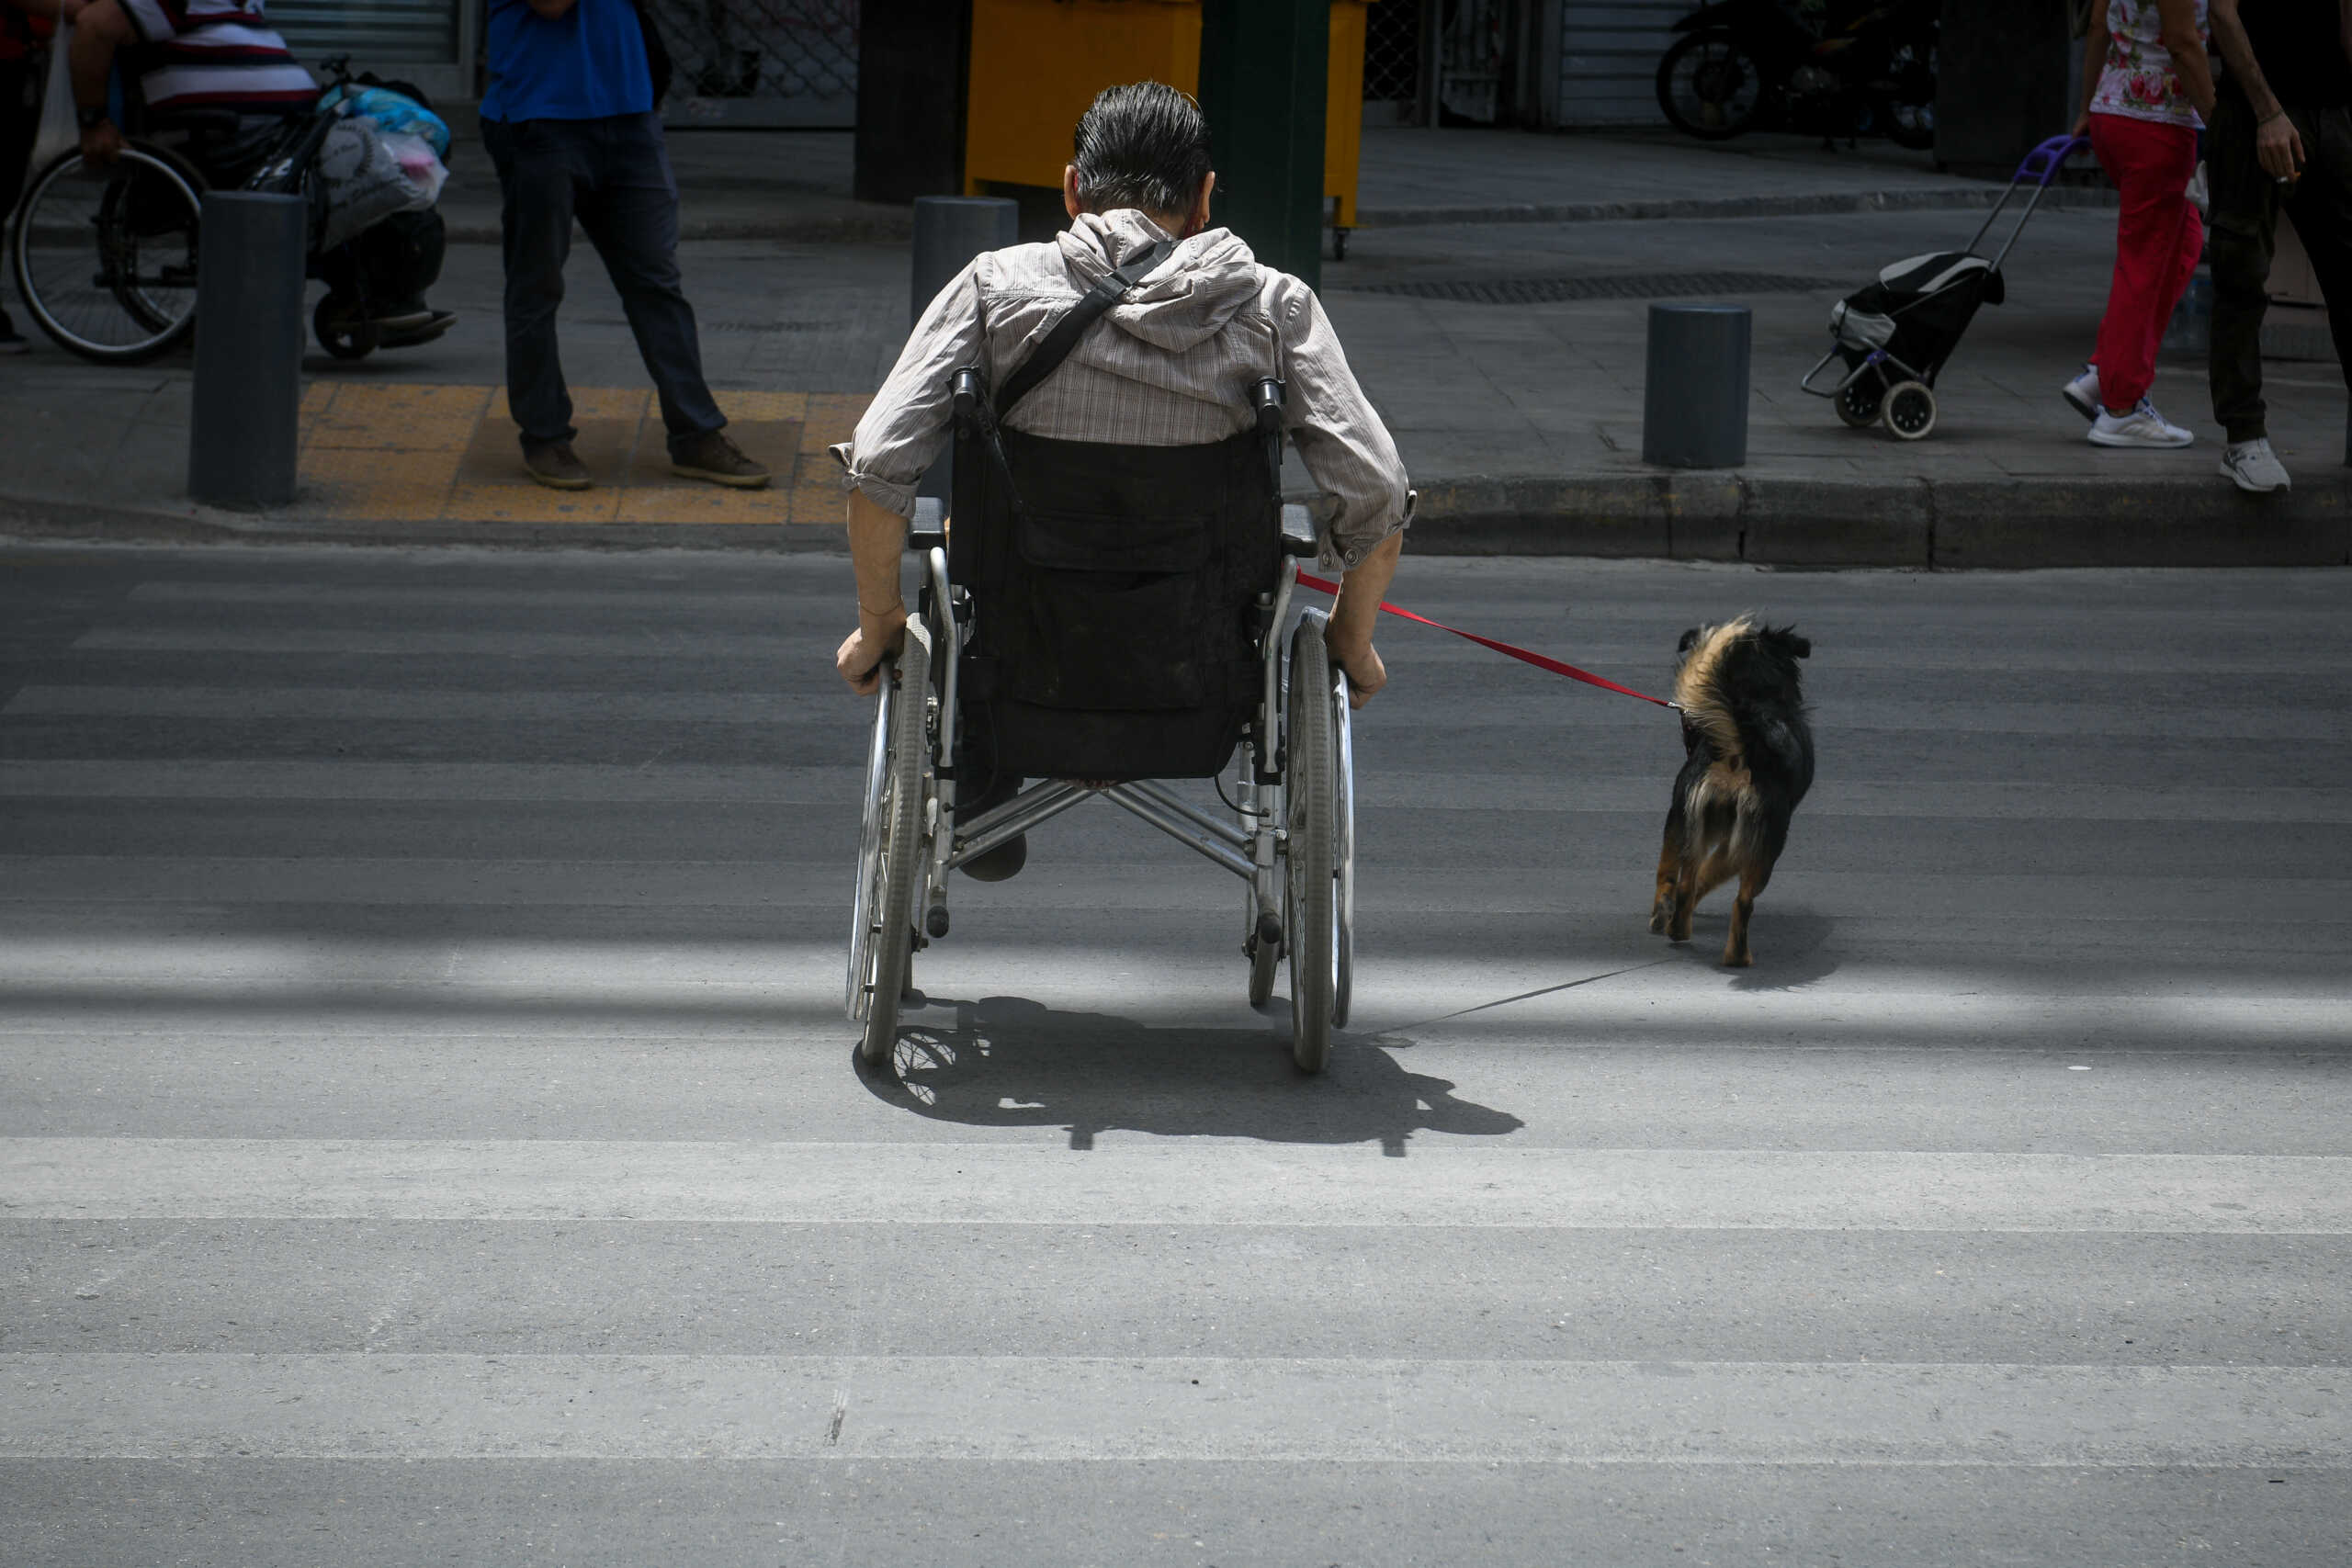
x,y
2245,205
614,176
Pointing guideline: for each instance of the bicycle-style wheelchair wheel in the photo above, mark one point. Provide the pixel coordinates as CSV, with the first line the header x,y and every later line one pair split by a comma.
x,y
893,851
1310,915
106,257
1343,844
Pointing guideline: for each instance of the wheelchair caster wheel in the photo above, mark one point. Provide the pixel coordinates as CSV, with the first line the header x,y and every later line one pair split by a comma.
x,y
343,330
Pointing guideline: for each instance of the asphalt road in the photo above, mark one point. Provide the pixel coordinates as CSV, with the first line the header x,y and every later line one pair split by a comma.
x,y
428,1133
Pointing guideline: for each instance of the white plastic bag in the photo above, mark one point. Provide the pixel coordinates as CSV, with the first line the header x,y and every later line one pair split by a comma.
x,y
58,133
367,176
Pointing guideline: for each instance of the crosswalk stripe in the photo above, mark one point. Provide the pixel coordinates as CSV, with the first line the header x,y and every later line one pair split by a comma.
x,y
1484,790
1208,1183
1063,1409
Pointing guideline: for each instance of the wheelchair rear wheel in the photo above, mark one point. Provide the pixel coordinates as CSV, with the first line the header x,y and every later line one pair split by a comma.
x,y
1310,920
1344,847
104,258
883,942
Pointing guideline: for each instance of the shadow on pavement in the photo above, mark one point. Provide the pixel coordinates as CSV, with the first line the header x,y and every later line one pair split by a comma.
x,y
1009,1062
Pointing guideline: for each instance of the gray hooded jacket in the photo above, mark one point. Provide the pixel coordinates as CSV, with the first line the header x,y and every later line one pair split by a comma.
x,y
1171,367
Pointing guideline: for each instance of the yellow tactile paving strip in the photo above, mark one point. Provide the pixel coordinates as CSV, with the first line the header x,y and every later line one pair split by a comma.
x,y
400,453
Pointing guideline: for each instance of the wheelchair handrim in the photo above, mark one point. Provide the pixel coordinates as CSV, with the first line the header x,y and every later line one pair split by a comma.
x,y
26,237
862,928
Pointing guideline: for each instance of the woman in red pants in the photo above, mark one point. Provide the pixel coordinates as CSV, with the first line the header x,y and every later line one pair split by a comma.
x,y
2147,85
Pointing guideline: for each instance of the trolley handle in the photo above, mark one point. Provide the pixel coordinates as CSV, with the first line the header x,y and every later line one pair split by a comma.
x,y
2039,168
2044,162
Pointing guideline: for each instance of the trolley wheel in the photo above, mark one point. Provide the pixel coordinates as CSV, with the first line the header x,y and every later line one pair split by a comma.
x,y
1310,917
105,259
1344,847
343,329
1860,400
1910,410
888,930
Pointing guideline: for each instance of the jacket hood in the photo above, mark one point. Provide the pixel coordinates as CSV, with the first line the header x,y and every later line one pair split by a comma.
x,y
1187,300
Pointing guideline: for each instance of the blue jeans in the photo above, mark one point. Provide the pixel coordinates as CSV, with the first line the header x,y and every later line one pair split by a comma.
x,y
614,176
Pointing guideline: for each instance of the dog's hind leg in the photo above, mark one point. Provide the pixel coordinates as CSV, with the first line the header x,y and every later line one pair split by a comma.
x,y
1752,878
1669,872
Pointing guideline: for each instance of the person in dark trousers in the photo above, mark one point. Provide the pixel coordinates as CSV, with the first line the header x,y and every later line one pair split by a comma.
x,y
568,122
25,29
2280,139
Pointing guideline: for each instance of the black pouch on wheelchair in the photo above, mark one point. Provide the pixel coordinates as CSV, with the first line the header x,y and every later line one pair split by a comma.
x,y
1117,632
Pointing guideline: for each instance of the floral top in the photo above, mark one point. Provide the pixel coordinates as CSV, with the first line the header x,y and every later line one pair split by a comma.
x,y
2139,82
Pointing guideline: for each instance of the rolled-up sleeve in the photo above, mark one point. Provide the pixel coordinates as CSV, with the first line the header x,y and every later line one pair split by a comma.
x,y
905,427
1341,438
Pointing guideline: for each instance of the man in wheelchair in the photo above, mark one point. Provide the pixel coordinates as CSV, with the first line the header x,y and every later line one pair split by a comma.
x,y
1197,323
209,81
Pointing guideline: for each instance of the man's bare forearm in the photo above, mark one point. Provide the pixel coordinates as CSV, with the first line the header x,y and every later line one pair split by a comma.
x,y
2237,53
1361,590
877,538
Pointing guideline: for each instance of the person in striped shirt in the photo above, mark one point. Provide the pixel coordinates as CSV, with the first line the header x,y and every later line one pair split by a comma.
x,y
193,61
183,54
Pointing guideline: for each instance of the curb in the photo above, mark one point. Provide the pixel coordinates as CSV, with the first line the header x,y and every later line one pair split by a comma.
x,y
1915,524
884,225
1923,525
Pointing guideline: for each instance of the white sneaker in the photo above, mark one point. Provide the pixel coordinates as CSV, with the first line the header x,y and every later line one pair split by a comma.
x,y
2144,427
2253,467
2082,392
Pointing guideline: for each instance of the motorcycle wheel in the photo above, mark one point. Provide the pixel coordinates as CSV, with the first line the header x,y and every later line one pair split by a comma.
x,y
1710,85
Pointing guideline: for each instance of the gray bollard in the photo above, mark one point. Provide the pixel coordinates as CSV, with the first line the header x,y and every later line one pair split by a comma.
x,y
949,231
1694,402
243,429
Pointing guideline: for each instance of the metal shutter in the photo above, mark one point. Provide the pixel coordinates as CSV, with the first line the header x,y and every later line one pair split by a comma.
x,y
1609,54
375,33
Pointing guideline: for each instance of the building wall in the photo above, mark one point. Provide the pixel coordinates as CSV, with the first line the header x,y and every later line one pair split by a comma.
x,y
1609,54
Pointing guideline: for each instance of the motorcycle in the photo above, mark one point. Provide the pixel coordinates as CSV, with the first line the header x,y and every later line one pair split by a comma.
x,y
1755,65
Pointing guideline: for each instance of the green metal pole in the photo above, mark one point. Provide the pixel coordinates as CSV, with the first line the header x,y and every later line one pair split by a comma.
x,y
1263,66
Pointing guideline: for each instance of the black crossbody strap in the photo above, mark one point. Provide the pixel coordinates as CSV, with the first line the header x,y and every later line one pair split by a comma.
x,y
1058,343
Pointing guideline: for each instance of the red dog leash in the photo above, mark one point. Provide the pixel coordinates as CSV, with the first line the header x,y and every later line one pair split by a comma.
x,y
1541,661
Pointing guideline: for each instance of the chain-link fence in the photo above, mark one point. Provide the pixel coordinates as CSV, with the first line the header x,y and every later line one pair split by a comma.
x,y
761,63
1392,63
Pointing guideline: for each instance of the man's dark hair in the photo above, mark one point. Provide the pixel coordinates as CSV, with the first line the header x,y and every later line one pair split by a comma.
x,y
1144,145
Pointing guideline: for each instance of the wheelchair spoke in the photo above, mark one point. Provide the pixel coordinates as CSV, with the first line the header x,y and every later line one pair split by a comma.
x,y
137,222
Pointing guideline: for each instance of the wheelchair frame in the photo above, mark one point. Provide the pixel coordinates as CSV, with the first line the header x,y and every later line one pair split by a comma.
x,y
1292,841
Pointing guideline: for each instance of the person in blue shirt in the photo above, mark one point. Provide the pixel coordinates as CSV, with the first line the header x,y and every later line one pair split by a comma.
x,y
569,121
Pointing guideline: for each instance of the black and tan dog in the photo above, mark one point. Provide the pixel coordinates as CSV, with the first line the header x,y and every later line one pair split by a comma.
x,y
1749,761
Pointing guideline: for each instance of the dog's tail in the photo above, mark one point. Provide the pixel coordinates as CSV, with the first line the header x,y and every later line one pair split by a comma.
x,y
1703,692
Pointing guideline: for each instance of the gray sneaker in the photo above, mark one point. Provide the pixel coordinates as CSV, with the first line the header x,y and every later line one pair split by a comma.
x,y
555,464
711,455
2254,468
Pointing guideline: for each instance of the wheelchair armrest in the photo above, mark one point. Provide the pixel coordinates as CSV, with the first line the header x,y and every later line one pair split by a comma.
x,y
1298,530
927,530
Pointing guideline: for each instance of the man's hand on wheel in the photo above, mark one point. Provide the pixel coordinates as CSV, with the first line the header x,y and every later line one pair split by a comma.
x,y
862,653
102,144
1366,674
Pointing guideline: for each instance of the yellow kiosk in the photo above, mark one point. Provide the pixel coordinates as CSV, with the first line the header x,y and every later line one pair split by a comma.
x,y
1036,65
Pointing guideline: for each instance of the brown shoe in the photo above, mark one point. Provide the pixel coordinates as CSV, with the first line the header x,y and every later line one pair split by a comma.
x,y
710,456
555,464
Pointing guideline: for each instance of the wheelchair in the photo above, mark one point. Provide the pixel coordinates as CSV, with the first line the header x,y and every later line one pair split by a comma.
x,y
105,258
1105,619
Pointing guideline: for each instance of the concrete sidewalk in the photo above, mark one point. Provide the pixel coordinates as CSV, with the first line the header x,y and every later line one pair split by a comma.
x,y
1521,422
795,185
